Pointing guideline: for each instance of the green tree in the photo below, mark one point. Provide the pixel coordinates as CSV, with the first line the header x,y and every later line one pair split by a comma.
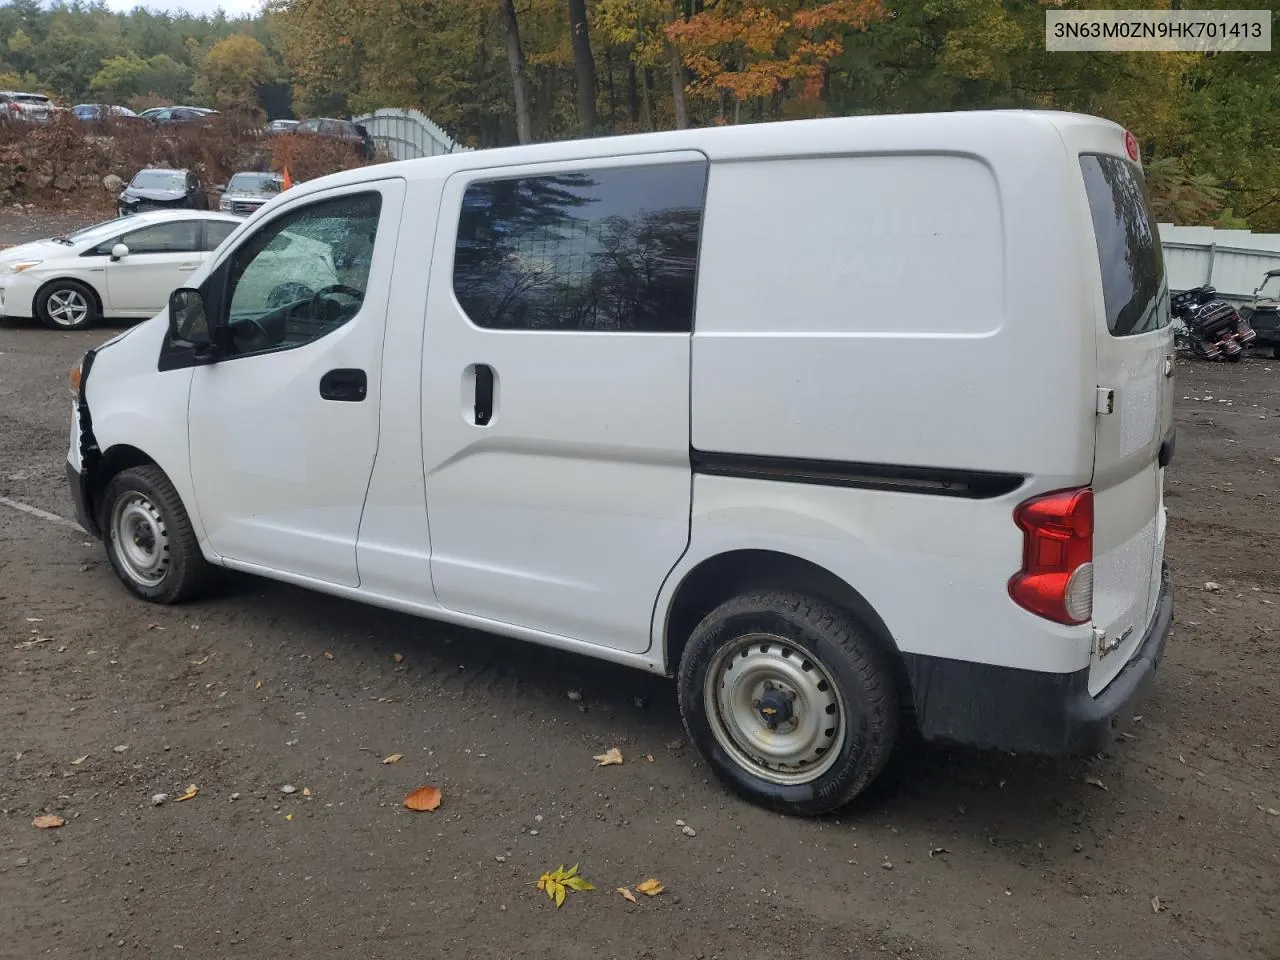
x,y
231,73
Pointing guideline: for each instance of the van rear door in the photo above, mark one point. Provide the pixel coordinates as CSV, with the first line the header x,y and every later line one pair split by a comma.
x,y
1134,366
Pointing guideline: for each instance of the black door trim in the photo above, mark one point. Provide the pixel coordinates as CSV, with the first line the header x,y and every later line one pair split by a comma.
x,y
939,481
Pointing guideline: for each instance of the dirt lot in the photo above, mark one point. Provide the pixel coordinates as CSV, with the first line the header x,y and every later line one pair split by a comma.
x,y
266,685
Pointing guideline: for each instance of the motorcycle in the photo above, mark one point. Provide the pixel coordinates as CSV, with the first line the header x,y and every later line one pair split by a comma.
x,y
1263,315
1214,330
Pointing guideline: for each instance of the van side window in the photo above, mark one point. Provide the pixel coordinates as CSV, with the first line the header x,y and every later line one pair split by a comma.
x,y
611,250
302,275
1129,252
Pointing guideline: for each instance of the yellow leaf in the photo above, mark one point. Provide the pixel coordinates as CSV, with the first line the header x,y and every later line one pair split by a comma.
x,y
649,757
190,792
328,655
288,816
394,758
48,821
610,757
651,887
258,685
79,760
424,798
397,657
627,895
558,882
559,895
578,883
306,791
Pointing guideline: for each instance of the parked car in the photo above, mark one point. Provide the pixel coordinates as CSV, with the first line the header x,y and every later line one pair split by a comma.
x,y
28,107
120,268
282,126
247,191
1263,314
97,112
156,188
179,114
823,512
353,133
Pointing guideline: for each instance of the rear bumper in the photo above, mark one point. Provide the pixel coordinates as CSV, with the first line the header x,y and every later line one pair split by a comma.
x,y
1028,711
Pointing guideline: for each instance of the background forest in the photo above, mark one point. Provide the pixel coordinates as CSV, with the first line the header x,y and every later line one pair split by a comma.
x,y
503,71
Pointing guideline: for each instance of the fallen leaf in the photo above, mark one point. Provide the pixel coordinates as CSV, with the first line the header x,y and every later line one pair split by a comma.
x,y
258,685
627,895
610,757
328,655
48,821
1095,782
398,657
424,798
1156,905
555,883
187,794
649,757
288,816
306,791
394,758
201,663
651,887
79,760
937,851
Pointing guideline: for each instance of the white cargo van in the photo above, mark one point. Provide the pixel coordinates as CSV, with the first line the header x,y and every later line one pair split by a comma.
x,y
846,424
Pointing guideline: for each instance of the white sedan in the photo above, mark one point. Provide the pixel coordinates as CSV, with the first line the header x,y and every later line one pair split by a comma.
x,y
123,268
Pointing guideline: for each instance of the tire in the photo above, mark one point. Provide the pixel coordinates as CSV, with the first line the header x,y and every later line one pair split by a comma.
x,y
831,667
150,543
67,305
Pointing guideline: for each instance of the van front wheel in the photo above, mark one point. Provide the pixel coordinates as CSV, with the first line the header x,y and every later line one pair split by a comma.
x,y
150,543
789,700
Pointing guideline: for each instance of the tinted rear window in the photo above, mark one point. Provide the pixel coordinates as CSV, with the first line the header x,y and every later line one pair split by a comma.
x,y
1129,254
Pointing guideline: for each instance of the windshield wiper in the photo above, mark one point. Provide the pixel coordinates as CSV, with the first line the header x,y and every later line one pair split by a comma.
x,y
64,240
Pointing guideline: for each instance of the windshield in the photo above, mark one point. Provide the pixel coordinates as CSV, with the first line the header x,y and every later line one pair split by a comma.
x,y
100,231
254,183
31,98
160,180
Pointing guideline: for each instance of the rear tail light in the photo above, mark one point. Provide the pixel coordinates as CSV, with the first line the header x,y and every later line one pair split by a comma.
x,y
1056,579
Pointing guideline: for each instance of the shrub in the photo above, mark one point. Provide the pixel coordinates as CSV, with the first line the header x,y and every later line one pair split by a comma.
x,y
65,162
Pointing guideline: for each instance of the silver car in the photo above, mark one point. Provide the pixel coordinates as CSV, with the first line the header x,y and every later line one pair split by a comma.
x,y
28,107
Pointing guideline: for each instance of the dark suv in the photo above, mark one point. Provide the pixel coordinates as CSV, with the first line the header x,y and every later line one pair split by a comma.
x,y
347,130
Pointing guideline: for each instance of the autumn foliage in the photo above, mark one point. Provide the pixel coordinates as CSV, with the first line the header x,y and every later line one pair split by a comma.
x,y
752,51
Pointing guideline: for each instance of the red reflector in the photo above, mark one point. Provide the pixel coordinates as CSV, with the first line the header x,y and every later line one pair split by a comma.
x,y
1057,541
1131,146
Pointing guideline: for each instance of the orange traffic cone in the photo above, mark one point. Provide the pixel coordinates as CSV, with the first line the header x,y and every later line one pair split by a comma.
x,y
288,180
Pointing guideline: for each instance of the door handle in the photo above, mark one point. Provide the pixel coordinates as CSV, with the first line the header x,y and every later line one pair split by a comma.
x,y
484,395
188,266
350,385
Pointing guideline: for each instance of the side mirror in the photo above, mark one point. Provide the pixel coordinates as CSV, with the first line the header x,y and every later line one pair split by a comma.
x,y
119,251
188,320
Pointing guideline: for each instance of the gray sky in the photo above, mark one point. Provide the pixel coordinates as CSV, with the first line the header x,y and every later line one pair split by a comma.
x,y
233,8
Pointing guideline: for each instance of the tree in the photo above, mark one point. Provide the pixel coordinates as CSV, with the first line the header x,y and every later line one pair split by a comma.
x,y
516,64
584,66
750,53
231,73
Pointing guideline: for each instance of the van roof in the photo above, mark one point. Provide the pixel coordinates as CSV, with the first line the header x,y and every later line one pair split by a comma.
x,y
980,131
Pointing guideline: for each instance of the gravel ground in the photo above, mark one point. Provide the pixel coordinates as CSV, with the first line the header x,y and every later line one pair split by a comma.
x,y
1175,855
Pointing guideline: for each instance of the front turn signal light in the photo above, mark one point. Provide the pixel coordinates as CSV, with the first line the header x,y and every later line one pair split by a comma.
x,y
74,380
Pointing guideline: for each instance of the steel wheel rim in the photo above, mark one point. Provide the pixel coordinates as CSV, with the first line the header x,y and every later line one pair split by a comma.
x,y
67,308
774,708
141,540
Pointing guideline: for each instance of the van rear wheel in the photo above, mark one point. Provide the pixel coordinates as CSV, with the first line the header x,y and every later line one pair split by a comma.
x,y
790,700
149,539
